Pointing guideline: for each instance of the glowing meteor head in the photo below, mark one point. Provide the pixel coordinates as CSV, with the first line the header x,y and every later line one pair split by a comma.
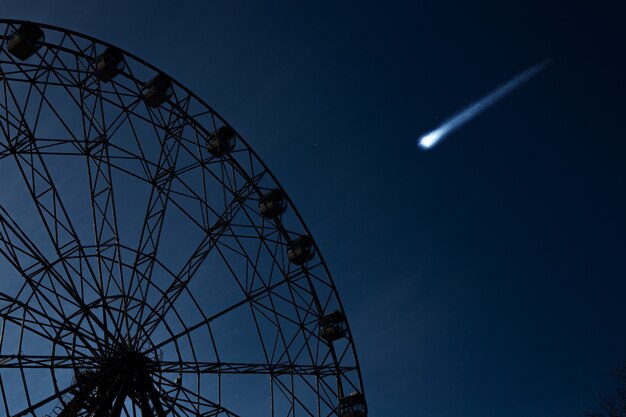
x,y
430,139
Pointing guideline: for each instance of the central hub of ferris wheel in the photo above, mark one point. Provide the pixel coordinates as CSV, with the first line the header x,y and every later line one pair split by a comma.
x,y
125,376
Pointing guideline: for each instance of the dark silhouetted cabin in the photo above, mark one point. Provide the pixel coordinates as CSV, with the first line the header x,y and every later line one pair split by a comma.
x,y
273,204
25,41
108,65
221,141
156,91
333,326
301,250
353,405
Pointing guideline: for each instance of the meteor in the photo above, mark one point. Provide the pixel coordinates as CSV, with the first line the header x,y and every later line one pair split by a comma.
x,y
430,139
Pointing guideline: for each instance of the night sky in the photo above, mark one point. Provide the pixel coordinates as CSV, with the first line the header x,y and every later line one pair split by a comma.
x,y
485,277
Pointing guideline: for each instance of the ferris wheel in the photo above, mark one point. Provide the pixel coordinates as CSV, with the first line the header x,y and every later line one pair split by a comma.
x,y
151,264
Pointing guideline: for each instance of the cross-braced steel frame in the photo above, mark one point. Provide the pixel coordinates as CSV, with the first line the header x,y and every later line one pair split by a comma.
x,y
151,265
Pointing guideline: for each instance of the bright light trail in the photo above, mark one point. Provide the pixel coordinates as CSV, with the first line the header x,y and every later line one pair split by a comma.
x,y
432,138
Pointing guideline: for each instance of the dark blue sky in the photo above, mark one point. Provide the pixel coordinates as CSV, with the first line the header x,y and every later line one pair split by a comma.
x,y
483,278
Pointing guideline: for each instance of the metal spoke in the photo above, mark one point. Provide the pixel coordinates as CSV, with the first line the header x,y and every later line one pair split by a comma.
x,y
191,266
250,368
43,325
46,362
